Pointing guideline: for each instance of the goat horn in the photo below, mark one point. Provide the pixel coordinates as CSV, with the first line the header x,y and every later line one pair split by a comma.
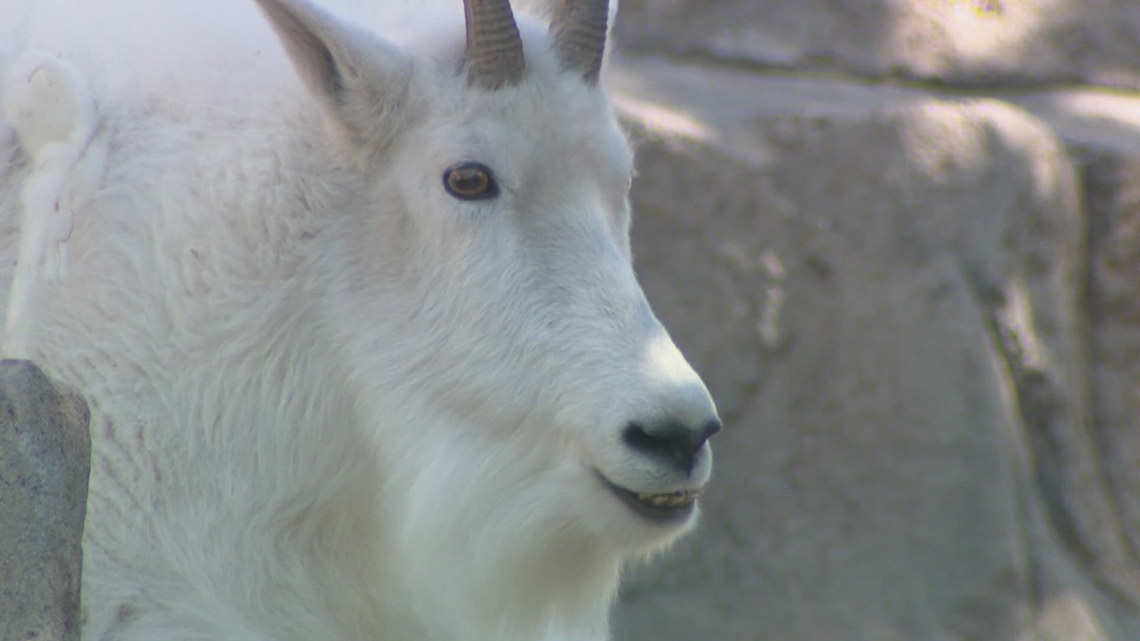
x,y
494,48
579,31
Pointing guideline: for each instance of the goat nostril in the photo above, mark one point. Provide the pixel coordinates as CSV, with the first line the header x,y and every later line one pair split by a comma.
x,y
672,442
636,437
709,430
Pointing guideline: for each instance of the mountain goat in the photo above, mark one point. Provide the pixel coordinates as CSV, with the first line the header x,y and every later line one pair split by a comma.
x,y
350,296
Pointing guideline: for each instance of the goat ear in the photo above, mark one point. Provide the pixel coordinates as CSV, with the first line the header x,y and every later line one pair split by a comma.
x,y
360,80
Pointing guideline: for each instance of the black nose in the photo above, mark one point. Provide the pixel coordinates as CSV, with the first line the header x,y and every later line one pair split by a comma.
x,y
670,442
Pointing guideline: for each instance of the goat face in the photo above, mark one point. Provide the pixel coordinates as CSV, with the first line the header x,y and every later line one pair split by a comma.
x,y
479,282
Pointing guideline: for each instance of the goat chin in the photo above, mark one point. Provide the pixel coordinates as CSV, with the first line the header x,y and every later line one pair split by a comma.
x,y
351,299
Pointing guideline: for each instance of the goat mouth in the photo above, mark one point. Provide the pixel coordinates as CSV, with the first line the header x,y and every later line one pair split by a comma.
x,y
666,507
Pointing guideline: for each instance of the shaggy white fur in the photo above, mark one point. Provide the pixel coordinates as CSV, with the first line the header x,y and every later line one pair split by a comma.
x,y
331,399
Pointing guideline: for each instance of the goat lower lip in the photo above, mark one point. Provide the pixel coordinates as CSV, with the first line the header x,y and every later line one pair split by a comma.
x,y
662,508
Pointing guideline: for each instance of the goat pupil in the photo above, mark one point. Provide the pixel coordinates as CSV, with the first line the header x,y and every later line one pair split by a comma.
x,y
469,181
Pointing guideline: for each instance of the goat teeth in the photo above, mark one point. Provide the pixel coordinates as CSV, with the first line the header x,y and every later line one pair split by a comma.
x,y
672,499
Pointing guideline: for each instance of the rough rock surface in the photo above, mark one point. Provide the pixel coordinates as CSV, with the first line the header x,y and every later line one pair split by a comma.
x,y
44,461
1113,301
976,42
885,289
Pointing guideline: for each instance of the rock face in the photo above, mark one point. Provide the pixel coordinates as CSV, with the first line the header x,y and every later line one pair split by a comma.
x,y
44,462
985,42
916,310
1113,305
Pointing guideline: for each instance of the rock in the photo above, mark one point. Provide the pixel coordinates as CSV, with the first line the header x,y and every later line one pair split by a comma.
x,y
881,288
44,464
971,42
1114,327
1088,120
1102,132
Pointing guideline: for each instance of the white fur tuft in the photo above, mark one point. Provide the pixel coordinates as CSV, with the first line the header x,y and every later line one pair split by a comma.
x,y
48,105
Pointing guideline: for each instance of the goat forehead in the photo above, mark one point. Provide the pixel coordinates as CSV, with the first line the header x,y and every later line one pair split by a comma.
x,y
525,154
541,96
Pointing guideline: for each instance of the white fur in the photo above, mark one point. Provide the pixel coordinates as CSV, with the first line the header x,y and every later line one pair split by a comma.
x,y
46,103
330,401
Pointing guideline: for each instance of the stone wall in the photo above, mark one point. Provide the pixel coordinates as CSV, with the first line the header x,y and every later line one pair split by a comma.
x,y
908,264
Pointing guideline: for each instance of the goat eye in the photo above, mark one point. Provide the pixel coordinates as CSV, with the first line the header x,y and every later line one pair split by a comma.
x,y
470,181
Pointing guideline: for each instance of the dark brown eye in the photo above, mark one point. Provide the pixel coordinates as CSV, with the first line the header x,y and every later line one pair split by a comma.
x,y
470,181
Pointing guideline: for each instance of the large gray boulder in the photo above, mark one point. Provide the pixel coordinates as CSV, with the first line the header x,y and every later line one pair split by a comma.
x,y
882,290
977,42
44,463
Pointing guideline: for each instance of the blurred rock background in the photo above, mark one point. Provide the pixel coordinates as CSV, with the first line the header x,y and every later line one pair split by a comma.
x,y
901,241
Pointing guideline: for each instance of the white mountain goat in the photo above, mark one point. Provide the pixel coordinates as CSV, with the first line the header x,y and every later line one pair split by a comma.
x,y
354,311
